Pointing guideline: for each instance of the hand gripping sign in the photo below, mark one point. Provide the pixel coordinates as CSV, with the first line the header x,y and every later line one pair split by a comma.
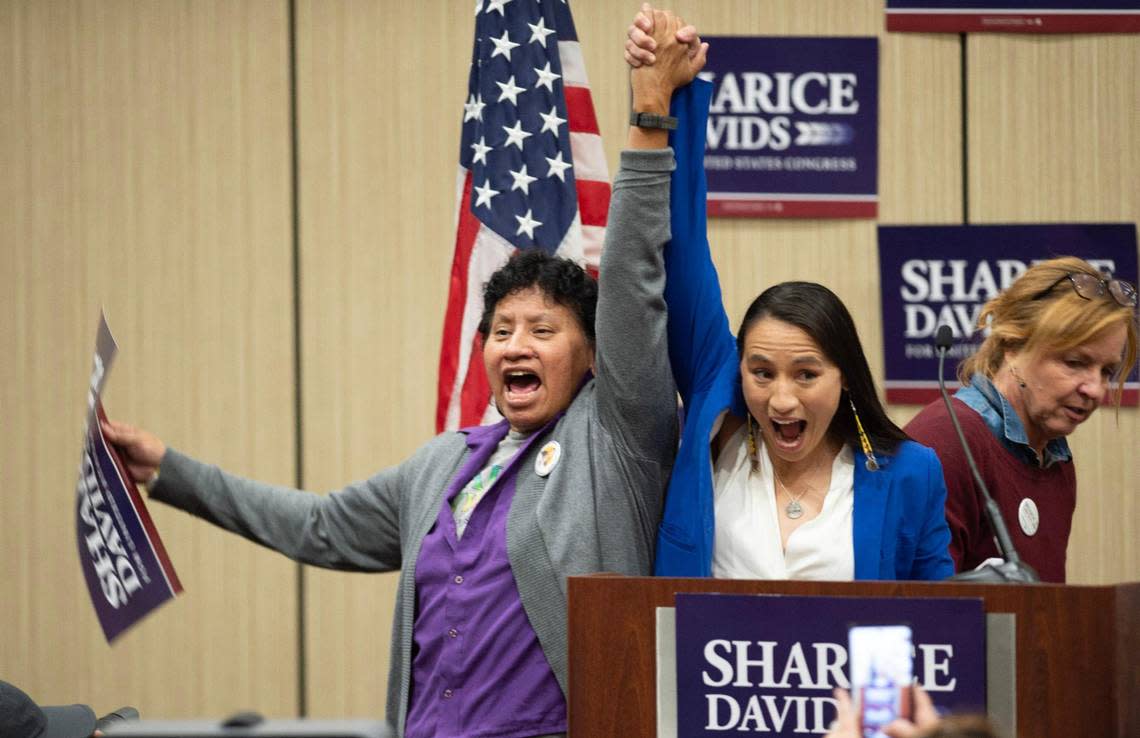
x,y
124,562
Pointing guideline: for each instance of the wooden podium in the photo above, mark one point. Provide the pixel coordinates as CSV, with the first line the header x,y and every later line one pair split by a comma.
x,y
1077,649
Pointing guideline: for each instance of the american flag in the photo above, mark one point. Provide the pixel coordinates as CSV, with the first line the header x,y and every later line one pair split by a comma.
x,y
532,174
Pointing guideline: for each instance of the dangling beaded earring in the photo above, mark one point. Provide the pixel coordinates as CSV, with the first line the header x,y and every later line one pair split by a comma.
x,y
753,454
872,463
1016,376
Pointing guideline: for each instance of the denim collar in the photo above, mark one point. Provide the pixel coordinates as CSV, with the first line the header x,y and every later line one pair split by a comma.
x,y
1003,421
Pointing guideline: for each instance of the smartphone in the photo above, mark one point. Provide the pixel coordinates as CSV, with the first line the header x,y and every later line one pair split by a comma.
x,y
881,660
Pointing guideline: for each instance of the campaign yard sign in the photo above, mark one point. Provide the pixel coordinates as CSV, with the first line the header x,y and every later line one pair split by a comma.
x,y
1014,16
935,275
793,127
123,560
768,664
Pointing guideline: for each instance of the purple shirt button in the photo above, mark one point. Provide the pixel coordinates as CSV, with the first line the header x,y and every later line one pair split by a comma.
x,y
459,579
453,633
447,693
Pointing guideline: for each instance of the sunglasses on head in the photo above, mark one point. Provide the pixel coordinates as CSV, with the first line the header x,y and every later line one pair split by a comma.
x,y
1091,287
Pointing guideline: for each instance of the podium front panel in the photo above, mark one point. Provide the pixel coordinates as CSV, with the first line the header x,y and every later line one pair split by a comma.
x,y
1075,648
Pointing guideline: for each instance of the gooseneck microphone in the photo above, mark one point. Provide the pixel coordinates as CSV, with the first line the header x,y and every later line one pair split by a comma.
x,y
122,715
1012,569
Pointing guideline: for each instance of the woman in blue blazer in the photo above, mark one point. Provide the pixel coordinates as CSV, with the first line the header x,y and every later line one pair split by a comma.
x,y
789,466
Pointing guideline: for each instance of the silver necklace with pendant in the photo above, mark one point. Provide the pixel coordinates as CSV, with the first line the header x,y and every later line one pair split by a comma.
x,y
794,510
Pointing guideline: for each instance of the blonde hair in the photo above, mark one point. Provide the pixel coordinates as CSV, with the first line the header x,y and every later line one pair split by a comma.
x,y
1031,317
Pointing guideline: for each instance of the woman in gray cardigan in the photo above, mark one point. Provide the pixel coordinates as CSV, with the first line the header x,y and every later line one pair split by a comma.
x,y
486,523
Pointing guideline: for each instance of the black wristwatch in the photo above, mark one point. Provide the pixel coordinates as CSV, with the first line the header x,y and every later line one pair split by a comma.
x,y
652,120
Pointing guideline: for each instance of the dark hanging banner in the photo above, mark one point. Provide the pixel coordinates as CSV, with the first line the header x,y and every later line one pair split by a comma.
x,y
793,127
1014,16
935,275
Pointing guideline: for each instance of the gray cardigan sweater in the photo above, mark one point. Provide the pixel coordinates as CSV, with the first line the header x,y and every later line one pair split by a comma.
x,y
599,508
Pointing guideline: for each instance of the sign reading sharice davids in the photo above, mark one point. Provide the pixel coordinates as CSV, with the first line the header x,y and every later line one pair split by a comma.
x,y
769,663
126,567
793,127
1014,16
935,275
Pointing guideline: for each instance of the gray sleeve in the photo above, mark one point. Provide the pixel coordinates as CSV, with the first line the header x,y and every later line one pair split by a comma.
x,y
355,529
636,396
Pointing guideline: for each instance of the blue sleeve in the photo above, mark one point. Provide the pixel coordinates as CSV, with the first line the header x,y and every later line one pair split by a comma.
x,y
700,340
932,554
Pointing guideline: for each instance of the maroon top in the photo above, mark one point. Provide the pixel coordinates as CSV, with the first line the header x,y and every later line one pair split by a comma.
x,y
1053,489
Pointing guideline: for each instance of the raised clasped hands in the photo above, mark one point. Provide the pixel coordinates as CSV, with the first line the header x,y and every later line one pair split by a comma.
x,y
665,53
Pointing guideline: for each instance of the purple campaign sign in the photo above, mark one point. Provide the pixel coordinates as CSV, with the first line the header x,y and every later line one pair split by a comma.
x,y
768,663
1014,16
124,562
793,127
934,275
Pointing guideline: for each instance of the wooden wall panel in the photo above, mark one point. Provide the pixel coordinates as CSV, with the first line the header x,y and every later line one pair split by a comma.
x,y
380,87
1053,137
379,93
145,156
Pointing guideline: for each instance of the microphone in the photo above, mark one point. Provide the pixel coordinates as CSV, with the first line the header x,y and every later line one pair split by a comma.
x,y
122,715
1012,569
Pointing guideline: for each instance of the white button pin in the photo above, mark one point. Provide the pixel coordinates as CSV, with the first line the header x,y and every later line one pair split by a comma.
x,y
548,458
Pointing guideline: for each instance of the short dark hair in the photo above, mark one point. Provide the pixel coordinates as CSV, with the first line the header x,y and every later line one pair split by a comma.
x,y
561,280
818,312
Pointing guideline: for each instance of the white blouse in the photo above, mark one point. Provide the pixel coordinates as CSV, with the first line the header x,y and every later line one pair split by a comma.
x,y
747,542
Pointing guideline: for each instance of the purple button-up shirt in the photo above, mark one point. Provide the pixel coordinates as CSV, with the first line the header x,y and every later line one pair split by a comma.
x,y
478,668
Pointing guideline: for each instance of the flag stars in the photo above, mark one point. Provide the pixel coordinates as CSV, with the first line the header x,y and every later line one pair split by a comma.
x,y
527,224
480,148
510,91
557,167
485,193
516,135
522,181
503,46
551,121
539,32
473,108
546,77
497,5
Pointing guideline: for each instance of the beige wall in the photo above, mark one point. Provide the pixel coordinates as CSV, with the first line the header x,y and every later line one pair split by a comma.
x,y
146,160
144,150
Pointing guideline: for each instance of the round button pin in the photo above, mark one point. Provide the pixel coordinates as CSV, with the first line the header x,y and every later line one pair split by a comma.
x,y
1028,517
548,458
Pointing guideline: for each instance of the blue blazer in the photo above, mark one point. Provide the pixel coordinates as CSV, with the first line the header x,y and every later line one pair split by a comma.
x,y
899,522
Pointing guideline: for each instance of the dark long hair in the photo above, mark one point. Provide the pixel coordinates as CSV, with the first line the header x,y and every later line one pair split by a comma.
x,y
818,312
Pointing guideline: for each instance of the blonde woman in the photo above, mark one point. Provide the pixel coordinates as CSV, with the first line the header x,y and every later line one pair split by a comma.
x,y
1062,340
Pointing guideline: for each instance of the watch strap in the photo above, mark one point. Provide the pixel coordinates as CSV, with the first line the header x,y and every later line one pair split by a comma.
x,y
652,120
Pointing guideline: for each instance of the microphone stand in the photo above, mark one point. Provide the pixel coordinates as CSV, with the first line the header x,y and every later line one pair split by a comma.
x,y
1012,570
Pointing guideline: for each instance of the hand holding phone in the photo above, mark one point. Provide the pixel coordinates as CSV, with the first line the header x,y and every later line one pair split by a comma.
x,y
846,724
881,660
